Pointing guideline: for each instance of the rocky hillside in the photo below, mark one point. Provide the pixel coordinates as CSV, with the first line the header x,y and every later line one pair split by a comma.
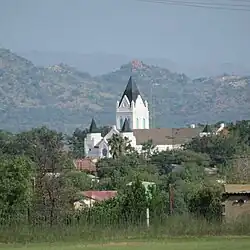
x,y
64,98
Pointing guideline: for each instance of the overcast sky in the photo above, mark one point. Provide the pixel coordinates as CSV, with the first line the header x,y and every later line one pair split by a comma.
x,y
128,27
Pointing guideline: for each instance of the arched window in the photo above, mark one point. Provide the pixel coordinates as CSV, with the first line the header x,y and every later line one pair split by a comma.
x,y
137,122
129,122
144,123
104,152
121,122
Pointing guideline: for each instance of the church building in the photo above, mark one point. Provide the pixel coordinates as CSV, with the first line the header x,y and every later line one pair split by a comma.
x,y
132,121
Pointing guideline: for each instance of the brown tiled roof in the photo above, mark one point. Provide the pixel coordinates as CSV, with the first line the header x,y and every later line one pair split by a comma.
x,y
85,164
166,136
237,188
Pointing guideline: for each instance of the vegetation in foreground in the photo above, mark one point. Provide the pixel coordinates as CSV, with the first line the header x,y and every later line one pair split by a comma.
x,y
39,185
173,244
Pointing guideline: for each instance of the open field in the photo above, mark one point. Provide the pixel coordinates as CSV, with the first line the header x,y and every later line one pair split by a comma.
x,y
214,243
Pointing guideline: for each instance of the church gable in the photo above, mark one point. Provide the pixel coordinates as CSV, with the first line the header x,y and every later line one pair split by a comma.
x,y
111,133
124,102
139,101
102,148
131,92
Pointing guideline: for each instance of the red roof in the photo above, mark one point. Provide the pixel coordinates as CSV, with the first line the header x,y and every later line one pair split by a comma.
x,y
85,164
100,195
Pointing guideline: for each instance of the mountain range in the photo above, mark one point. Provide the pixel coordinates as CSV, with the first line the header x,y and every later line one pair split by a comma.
x,y
99,63
64,98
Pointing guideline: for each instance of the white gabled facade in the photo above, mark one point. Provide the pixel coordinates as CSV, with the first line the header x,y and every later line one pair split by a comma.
x,y
133,108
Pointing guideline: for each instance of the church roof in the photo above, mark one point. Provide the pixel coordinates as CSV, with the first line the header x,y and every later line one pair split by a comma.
x,y
131,91
166,136
207,129
93,128
126,127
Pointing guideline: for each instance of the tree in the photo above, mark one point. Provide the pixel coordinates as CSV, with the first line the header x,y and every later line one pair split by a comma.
x,y
5,142
119,146
16,186
45,148
134,202
205,201
219,148
79,180
76,143
115,173
241,131
148,148
238,171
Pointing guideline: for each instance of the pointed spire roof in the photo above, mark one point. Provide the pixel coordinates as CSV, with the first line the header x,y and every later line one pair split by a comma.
x,y
131,91
207,129
126,127
93,128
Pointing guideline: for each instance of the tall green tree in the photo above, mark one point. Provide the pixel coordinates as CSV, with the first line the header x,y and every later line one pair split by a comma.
x,y
15,187
119,146
45,148
76,143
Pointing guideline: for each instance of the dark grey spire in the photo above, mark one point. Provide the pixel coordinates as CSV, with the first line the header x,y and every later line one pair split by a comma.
x,y
126,127
93,128
131,91
207,129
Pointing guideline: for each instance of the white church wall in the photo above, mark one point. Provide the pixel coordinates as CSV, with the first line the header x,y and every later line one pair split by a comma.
x,y
160,148
131,138
137,113
140,114
125,110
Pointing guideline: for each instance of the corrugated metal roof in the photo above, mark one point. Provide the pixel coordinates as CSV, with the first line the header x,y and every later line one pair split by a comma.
x,y
237,188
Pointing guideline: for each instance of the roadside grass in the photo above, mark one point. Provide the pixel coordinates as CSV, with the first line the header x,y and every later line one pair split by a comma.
x,y
179,243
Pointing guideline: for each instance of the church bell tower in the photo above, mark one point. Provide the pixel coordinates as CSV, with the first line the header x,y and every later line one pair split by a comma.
x,y
133,108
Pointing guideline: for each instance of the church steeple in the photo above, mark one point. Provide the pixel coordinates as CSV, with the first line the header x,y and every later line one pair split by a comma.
x,y
131,91
93,128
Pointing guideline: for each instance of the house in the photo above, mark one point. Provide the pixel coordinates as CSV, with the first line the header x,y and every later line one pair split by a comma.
x,y
132,121
91,197
236,201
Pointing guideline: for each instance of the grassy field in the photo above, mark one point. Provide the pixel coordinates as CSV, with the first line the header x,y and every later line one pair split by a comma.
x,y
215,243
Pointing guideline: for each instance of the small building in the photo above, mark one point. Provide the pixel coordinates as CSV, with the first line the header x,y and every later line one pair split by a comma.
x,y
91,197
236,201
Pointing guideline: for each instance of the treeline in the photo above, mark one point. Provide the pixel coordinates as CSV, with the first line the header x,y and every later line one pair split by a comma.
x,y
39,183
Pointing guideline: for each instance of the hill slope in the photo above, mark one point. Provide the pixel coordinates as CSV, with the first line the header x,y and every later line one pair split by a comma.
x,y
64,98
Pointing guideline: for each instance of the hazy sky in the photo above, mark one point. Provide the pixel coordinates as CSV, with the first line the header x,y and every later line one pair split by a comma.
x,y
126,27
